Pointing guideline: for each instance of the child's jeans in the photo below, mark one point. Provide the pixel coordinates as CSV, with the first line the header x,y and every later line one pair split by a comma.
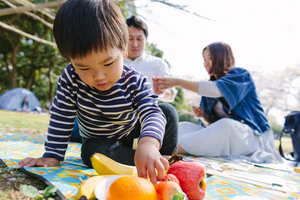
x,y
121,150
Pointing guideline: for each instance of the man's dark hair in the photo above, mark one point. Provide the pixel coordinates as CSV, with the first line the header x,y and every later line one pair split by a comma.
x,y
81,26
137,23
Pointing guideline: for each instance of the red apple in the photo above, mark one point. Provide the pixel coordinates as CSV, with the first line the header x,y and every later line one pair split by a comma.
x,y
191,178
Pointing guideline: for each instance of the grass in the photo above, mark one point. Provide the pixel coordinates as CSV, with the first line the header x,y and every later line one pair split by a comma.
x,y
12,179
27,123
286,144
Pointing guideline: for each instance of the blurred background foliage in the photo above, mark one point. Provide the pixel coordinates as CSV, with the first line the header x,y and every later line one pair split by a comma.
x,y
29,59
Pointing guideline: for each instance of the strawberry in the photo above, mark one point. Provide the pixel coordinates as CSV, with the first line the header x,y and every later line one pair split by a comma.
x,y
170,177
168,190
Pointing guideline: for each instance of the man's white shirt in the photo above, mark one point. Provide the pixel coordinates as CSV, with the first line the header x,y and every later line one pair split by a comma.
x,y
151,66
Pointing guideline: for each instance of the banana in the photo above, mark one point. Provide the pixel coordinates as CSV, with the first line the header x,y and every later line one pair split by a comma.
x,y
107,166
88,187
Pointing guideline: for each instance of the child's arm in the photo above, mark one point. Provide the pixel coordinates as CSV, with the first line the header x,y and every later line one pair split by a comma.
x,y
39,162
148,159
147,156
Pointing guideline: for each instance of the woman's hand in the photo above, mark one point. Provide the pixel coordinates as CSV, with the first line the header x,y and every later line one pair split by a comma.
x,y
156,88
164,82
198,112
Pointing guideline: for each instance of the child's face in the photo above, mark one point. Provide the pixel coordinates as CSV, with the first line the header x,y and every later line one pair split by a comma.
x,y
101,69
207,61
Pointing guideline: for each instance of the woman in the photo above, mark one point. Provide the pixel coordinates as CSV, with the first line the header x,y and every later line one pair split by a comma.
x,y
233,120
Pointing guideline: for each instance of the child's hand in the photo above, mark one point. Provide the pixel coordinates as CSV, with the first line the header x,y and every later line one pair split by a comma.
x,y
39,162
148,158
156,89
198,111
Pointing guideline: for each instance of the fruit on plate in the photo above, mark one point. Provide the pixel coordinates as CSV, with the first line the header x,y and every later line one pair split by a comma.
x,y
107,166
168,190
191,178
131,188
170,177
87,188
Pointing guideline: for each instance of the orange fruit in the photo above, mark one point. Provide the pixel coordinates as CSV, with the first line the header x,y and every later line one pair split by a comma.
x,y
131,188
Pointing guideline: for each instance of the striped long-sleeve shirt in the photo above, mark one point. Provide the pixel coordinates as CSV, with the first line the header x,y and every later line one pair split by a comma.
x,y
112,113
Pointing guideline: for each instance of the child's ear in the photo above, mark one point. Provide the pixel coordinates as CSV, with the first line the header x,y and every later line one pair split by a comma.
x,y
125,53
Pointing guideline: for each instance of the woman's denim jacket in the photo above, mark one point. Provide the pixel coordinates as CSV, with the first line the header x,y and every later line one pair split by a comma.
x,y
240,101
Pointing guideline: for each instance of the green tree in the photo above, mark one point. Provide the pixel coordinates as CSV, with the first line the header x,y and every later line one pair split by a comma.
x,y
28,55
153,50
27,59
276,128
22,62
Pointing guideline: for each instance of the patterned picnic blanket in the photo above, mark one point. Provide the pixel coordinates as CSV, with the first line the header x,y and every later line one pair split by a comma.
x,y
68,177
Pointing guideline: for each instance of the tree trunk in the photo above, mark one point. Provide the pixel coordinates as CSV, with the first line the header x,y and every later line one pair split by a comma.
x,y
13,81
9,73
30,81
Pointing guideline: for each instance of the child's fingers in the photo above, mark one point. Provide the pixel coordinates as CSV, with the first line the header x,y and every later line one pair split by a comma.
x,y
142,172
28,162
165,162
152,173
161,167
31,163
23,162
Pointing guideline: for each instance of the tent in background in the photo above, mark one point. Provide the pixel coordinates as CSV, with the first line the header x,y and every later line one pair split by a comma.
x,y
12,99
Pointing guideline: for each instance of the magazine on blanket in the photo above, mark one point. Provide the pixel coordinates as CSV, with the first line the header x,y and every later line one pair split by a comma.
x,y
215,163
240,171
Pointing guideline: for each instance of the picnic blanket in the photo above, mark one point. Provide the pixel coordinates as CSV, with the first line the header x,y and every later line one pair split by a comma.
x,y
68,177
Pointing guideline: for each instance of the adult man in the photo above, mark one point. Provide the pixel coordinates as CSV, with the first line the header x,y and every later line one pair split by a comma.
x,y
149,65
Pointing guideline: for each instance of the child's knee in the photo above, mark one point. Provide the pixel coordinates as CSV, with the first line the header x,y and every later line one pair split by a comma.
x,y
169,111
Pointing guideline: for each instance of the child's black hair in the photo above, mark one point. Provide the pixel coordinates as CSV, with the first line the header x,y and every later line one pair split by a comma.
x,y
81,26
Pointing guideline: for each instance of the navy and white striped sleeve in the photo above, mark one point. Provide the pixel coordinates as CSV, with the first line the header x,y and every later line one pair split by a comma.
x,y
151,117
63,112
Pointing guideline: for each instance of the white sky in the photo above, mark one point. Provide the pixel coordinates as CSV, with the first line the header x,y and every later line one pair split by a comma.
x,y
263,33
